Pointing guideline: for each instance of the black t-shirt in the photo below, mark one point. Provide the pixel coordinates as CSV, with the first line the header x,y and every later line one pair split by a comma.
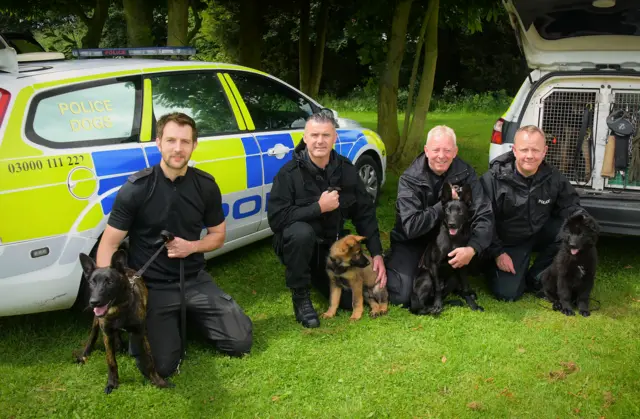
x,y
149,202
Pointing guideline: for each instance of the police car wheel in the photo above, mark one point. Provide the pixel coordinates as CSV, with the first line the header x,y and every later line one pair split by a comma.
x,y
371,175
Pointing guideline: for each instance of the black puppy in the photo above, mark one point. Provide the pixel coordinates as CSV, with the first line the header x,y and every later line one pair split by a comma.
x,y
437,278
570,277
119,302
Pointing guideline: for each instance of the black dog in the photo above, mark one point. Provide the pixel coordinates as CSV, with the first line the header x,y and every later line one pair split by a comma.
x,y
437,278
119,302
570,277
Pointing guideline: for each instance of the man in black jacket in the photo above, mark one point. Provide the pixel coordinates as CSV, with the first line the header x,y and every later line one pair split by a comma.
x,y
419,212
307,218
530,200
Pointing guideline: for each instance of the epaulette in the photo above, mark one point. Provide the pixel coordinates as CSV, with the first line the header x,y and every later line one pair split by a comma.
x,y
140,174
204,174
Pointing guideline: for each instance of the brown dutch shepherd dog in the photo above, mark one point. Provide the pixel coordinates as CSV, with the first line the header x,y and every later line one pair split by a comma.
x,y
349,268
119,302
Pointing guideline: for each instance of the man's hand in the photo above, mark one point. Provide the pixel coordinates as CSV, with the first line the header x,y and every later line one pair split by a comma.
x,y
505,263
454,193
378,267
461,256
180,248
329,201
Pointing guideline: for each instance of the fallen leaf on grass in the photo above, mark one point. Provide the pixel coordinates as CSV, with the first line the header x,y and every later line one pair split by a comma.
x,y
417,328
576,410
608,399
275,398
505,392
475,406
635,300
253,292
489,380
522,350
444,359
567,368
628,267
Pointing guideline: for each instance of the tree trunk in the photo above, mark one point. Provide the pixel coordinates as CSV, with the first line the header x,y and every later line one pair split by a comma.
x,y
250,34
95,24
322,22
304,47
388,95
412,84
139,16
178,23
417,138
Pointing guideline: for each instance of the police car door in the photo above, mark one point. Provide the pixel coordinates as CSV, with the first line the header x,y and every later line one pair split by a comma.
x,y
277,114
224,147
78,144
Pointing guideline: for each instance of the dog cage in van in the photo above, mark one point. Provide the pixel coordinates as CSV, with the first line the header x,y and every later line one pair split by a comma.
x,y
572,121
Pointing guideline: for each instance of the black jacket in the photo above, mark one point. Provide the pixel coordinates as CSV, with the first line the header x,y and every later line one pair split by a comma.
x,y
522,206
419,210
297,188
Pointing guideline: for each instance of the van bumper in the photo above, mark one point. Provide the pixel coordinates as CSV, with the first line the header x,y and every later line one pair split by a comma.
x,y
616,213
35,285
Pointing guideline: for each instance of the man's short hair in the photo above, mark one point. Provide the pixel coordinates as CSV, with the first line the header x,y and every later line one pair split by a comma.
x,y
530,129
180,119
322,117
441,131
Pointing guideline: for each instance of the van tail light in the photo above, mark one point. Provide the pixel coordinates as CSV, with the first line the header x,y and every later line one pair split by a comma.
x,y
496,135
4,103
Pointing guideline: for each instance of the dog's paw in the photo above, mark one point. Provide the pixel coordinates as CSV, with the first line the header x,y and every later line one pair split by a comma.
x,y
557,306
568,312
164,383
355,317
585,313
327,315
109,388
478,308
80,359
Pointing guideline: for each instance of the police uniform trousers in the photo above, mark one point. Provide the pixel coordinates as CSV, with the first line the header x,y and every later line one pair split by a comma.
x,y
509,287
305,258
209,309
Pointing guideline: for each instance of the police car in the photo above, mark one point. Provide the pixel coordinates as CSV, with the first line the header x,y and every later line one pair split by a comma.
x,y
72,131
584,60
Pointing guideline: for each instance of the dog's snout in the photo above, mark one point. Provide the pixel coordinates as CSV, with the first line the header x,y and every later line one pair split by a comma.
x,y
94,302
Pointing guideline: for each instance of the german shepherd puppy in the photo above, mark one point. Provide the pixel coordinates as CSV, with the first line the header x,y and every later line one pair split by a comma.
x,y
119,303
570,277
436,278
349,267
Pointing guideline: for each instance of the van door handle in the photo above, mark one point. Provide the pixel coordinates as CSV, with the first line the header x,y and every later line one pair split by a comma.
x,y
278,151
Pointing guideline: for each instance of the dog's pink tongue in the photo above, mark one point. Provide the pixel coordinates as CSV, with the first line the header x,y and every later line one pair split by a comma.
x,y
574,251
453,231
99,311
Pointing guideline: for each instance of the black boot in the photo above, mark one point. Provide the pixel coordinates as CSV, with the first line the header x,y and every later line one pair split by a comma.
x,y
303,309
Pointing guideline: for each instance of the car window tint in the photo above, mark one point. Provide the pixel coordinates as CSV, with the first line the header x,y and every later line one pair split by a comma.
x,y
199,95
87,114
272,105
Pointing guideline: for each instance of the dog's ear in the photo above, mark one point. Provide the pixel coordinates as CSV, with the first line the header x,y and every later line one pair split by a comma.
x,y
88,265
466,196
446,193
119,261
359,238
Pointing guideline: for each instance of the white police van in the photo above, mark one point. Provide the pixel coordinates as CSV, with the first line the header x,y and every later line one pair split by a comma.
x,y
584,92
72,131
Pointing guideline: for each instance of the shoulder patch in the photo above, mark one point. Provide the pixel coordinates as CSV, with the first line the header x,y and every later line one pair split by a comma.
x,y
204,174
140,174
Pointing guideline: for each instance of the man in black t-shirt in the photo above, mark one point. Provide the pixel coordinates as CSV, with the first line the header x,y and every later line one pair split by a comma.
x,y
182,200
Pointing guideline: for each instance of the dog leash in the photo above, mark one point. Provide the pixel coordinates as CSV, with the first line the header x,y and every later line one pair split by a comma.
x,y
166,237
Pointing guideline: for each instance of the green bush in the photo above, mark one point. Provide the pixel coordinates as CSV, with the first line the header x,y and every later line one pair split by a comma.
x,y
449,100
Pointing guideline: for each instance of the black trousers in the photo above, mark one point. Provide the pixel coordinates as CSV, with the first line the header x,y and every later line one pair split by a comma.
x,y
509,287
305,257
402,268
219,318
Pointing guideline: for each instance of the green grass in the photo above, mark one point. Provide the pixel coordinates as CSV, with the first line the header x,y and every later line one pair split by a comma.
x,y
514,360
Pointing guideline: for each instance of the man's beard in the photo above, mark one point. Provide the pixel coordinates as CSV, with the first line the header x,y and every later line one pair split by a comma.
x,y
173,165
